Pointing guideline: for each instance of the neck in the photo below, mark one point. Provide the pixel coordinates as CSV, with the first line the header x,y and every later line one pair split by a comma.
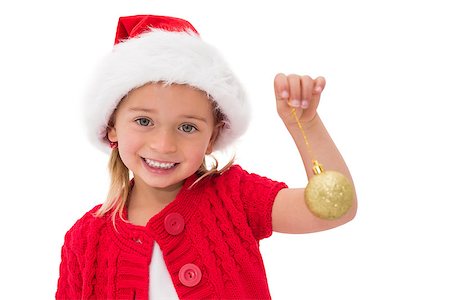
x,y
145,193
145,202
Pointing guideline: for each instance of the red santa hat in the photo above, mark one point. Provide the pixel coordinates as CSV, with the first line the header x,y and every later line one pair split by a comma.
x,y
163,49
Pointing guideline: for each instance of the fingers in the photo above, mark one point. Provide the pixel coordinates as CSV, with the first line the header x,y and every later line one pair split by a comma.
x,y
281,87
300,92
295,91
318,86
282,93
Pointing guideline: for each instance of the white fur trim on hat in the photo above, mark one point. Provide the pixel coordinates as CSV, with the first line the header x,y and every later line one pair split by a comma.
x,y
171,57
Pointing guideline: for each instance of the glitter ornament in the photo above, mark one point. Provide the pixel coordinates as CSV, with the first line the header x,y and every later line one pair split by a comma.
x,y
328,194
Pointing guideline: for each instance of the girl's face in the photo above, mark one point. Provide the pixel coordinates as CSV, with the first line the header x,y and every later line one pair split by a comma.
x,y
163,133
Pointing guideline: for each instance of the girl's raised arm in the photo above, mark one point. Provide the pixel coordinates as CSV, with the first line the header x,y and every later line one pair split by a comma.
x,y
290,213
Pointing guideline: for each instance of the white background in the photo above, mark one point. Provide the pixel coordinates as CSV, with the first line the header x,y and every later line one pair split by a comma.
x,y
386,105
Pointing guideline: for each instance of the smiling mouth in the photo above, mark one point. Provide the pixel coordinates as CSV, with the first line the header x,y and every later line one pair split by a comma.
x,y
159,165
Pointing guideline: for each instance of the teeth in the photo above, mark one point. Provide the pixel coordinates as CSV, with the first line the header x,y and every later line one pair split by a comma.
x,y
156,164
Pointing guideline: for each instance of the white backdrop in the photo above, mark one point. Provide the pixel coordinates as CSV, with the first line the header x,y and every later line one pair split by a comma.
x,y
387,67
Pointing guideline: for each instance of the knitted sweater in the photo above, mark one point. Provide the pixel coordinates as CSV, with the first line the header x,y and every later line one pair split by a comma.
x,y
209,235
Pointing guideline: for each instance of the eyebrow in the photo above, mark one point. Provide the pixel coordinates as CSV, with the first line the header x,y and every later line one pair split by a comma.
x,y
149,110
195,118
141,109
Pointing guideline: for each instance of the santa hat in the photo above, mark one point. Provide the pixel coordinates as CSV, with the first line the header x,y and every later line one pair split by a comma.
x,y
163,49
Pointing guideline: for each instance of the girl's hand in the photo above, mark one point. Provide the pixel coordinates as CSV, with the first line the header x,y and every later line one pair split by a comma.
x,y
299,92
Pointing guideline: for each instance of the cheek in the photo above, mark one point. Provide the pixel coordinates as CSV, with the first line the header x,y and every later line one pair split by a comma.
x,y
128,143
195,151
198,155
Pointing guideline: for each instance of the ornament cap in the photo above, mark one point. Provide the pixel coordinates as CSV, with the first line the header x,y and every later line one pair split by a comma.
x,y
317,167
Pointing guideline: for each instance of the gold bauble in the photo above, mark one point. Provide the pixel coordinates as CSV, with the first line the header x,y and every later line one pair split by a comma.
x,y
329,195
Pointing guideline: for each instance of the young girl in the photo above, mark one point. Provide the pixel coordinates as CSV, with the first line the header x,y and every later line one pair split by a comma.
x,y
162,101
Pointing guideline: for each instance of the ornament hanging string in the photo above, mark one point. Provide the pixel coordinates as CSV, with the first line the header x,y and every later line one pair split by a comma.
x,y
294,114
317,167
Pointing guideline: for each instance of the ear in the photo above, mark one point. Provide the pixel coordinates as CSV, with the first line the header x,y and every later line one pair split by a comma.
x,y
214,136
112,134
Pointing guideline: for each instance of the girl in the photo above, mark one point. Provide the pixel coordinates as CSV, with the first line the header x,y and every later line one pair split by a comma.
x,y
162,101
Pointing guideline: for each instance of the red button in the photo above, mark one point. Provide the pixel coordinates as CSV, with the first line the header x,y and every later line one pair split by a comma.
x,y
190,275
174,223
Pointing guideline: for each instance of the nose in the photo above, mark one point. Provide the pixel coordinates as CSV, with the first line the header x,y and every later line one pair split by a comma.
x,y
163,141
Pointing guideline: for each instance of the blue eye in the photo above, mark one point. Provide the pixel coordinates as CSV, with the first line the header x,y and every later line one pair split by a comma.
x,y
188,128
144,122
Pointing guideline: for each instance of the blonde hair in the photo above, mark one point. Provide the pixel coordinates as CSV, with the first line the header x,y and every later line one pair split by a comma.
x,y
120,185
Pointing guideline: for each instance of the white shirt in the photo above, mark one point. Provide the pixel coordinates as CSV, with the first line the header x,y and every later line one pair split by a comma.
x,y
161,285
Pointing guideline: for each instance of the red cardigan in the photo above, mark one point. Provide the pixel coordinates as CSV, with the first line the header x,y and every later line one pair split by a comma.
x,y
209,236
